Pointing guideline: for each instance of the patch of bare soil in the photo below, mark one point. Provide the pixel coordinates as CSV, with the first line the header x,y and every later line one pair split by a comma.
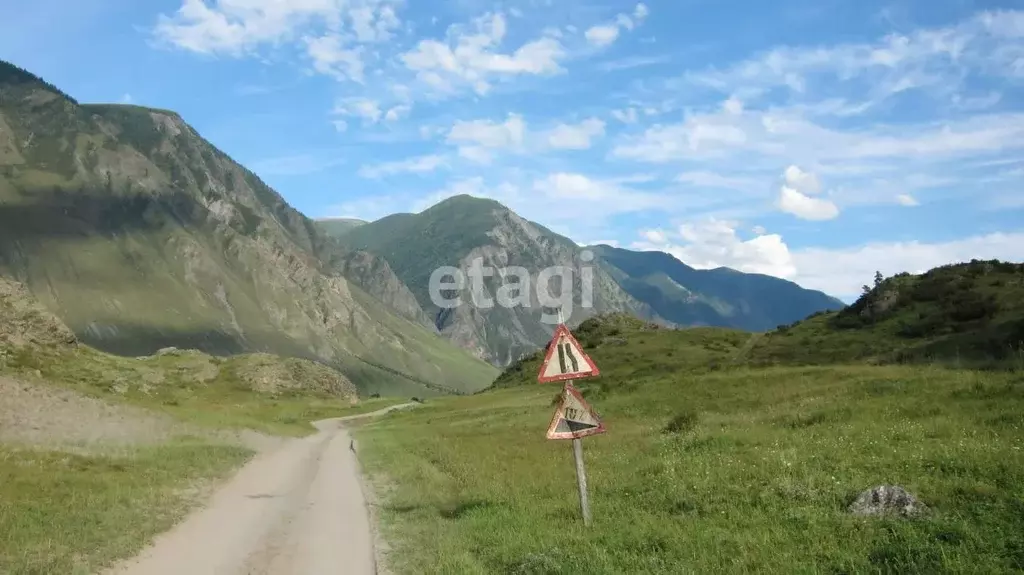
x,y
40,415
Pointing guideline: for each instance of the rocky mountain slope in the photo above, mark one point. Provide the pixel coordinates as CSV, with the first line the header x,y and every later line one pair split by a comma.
x,y
650,285
139,234
464,231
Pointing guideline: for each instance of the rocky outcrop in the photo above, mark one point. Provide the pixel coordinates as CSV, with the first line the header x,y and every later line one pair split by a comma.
x,y
887,500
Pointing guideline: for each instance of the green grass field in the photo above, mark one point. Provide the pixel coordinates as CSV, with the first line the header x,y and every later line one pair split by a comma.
x,y
73,514
732,471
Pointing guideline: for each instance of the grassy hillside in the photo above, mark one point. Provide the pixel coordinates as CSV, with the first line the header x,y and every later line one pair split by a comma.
x,y
627,349
967,315
338,227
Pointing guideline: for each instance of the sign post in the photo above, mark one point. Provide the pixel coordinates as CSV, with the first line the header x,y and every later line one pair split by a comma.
x,y
574,418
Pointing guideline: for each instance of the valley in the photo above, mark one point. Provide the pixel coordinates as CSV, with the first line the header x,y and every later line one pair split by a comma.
x,y
189,363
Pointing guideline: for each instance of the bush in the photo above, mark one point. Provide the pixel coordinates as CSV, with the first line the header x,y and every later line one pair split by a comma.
x,y
682,422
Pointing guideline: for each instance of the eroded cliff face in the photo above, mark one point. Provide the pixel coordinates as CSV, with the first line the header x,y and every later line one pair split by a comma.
x,y
140,235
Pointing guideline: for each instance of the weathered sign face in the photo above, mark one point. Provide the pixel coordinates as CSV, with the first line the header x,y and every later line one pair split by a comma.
x,y
574,417
565,359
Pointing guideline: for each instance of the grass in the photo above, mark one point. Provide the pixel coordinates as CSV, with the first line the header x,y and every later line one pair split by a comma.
x,y
74,514
194,388
732,471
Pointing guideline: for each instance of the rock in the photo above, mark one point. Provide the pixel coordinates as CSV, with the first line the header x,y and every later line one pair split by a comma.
x,y
887,500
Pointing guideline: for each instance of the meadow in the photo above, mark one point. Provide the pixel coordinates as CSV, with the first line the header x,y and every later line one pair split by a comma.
x,y
731,470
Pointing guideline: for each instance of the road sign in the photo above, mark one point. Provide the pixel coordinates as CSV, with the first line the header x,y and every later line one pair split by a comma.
x,y
565,359
574,418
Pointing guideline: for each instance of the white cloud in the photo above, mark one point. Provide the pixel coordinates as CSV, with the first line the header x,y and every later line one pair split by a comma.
x,y
795,196
238,27
840,272
126,99
489,134
641,11
602,35
805,207
471,58
713,243
575,137
784,135
706,179
906,200
627,116
798,179
733,105
331,57
589,198
418,165
358,107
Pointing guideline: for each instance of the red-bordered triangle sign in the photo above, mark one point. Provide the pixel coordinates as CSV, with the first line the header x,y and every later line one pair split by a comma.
x,y
565,359
574,417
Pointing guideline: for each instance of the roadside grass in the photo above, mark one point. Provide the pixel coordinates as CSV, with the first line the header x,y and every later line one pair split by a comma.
x,y
193,387
732,471
74,514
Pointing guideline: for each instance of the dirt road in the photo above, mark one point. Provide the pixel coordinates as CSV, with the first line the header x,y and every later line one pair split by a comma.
x,y
297,510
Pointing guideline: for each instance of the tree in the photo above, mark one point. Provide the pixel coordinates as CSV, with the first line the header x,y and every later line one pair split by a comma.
x,y
879,278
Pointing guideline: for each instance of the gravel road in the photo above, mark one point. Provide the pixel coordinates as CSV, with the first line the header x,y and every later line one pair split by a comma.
x,y
296,510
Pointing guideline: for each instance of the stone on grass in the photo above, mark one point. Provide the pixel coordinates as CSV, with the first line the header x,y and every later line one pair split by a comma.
x,y
887,500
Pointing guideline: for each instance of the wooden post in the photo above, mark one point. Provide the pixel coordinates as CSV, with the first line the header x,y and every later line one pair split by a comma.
x,y
581,478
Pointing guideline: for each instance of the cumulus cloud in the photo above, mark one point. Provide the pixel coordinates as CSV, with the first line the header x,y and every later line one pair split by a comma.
x,y
471,58
795,196
713,243
575,137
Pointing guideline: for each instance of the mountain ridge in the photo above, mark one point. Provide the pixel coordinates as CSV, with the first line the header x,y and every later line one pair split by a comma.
x,y
417,244
140,234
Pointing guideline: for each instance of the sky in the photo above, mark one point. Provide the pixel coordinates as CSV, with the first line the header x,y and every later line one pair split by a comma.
x,y
816,141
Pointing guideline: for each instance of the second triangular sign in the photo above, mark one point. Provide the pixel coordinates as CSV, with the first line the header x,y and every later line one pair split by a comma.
x,y
574,417
565,359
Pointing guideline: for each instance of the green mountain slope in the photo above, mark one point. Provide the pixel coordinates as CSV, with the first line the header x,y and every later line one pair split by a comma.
x,y
971,314
463,229
719,297
963,315
337,227
140,235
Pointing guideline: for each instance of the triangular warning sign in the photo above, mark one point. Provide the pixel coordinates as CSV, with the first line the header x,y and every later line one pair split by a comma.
x,y
565,359
574,417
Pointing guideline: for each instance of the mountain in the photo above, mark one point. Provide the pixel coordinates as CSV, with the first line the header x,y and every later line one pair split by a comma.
x,y
719,297
462,230
337,227
650,285
139,234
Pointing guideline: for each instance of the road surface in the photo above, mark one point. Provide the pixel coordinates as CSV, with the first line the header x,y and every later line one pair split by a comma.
x,y
297,510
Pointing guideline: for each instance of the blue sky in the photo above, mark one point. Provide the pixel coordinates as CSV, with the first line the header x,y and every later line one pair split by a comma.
x,y
816,141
